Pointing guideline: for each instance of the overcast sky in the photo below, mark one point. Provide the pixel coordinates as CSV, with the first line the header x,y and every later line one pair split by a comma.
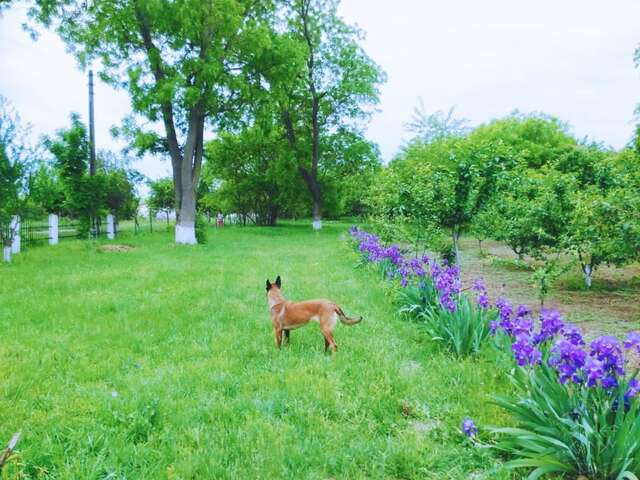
x,y
569,58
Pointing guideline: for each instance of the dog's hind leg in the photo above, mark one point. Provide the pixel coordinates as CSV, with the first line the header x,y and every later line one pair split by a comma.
x,y
328,339
286,337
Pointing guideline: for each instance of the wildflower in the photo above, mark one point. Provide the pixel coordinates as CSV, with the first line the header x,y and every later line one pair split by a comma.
x,y
483,301
634,389
479,286
551,324
633,341
568,359
573,334
523,311
469,428
607,350
493,327
525,352
593,370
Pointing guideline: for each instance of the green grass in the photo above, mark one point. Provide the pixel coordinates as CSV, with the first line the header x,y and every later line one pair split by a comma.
x,y
160,362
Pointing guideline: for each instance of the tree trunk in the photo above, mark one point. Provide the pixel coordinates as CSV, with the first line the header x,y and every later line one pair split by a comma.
x,y
588,275
455,236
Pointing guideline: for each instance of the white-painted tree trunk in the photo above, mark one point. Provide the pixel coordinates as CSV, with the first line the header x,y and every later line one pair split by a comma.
x,y
53,229
6,254
15,226
186,233
588,275
317,224
111,233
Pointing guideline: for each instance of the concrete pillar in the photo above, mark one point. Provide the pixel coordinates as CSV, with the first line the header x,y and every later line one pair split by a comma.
x,y
15,226
53,229
111,233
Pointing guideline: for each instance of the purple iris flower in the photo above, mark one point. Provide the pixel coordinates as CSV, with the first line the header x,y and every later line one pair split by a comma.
x,y
633,341
573,334
607,350
469,428
525,352
568,359
551,324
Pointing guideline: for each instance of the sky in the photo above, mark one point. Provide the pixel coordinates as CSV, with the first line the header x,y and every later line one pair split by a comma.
x,y
569,58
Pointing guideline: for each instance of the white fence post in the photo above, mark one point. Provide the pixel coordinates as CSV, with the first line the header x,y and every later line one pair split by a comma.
x,y
110,230
15,226
53,229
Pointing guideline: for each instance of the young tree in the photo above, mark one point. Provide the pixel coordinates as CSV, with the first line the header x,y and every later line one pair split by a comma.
x,y
14,160
182,62
333,82
46,191
161,196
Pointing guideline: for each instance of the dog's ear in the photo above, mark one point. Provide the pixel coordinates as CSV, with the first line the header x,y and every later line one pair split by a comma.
x,y
268,285
278,281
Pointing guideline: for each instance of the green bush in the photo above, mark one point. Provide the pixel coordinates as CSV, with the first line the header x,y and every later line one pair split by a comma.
x,y
201,229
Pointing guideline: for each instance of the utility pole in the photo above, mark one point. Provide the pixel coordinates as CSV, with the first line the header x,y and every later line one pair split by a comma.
x,y
92,129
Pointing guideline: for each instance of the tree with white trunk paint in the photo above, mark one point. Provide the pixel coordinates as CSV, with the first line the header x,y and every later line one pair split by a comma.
x,y
330,82
185,64
14,158
604,228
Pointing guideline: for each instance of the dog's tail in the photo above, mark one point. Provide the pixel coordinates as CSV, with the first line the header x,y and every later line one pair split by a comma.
x,y
346,320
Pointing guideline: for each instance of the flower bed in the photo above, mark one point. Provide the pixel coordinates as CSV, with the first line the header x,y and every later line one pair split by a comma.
x,y
575,406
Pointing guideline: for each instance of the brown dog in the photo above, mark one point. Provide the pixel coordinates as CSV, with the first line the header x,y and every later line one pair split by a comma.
x,y
287,316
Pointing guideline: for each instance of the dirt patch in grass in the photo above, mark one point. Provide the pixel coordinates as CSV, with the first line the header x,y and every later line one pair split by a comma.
x,y
612,305
116,248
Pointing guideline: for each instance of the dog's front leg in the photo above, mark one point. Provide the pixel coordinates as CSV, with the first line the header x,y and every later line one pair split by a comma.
x,y
278,332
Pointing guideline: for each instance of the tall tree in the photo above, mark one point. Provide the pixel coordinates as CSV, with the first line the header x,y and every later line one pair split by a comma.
x,y
333,85
182,63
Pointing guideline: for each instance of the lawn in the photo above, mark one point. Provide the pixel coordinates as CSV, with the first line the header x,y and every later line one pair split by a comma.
x,y
159,362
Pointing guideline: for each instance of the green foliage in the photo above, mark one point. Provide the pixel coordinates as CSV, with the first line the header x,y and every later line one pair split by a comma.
x,y
15,157
463,331
46,191
252,173
161,196
535,140
568,428
201,230
67,186
330,85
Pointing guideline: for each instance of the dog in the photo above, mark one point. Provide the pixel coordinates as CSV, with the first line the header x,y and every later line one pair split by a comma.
x,y
287,316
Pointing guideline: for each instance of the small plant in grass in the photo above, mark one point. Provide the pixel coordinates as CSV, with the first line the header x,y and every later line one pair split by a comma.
x,y
576,408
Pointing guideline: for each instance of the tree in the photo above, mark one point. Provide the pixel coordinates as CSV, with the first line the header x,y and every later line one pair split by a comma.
x,y
333,81
349,166
184,63
15,157
46,191
84,194
435,126
161,197
257,174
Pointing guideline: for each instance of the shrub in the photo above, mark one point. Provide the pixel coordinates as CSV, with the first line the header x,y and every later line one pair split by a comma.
x,y
201,229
